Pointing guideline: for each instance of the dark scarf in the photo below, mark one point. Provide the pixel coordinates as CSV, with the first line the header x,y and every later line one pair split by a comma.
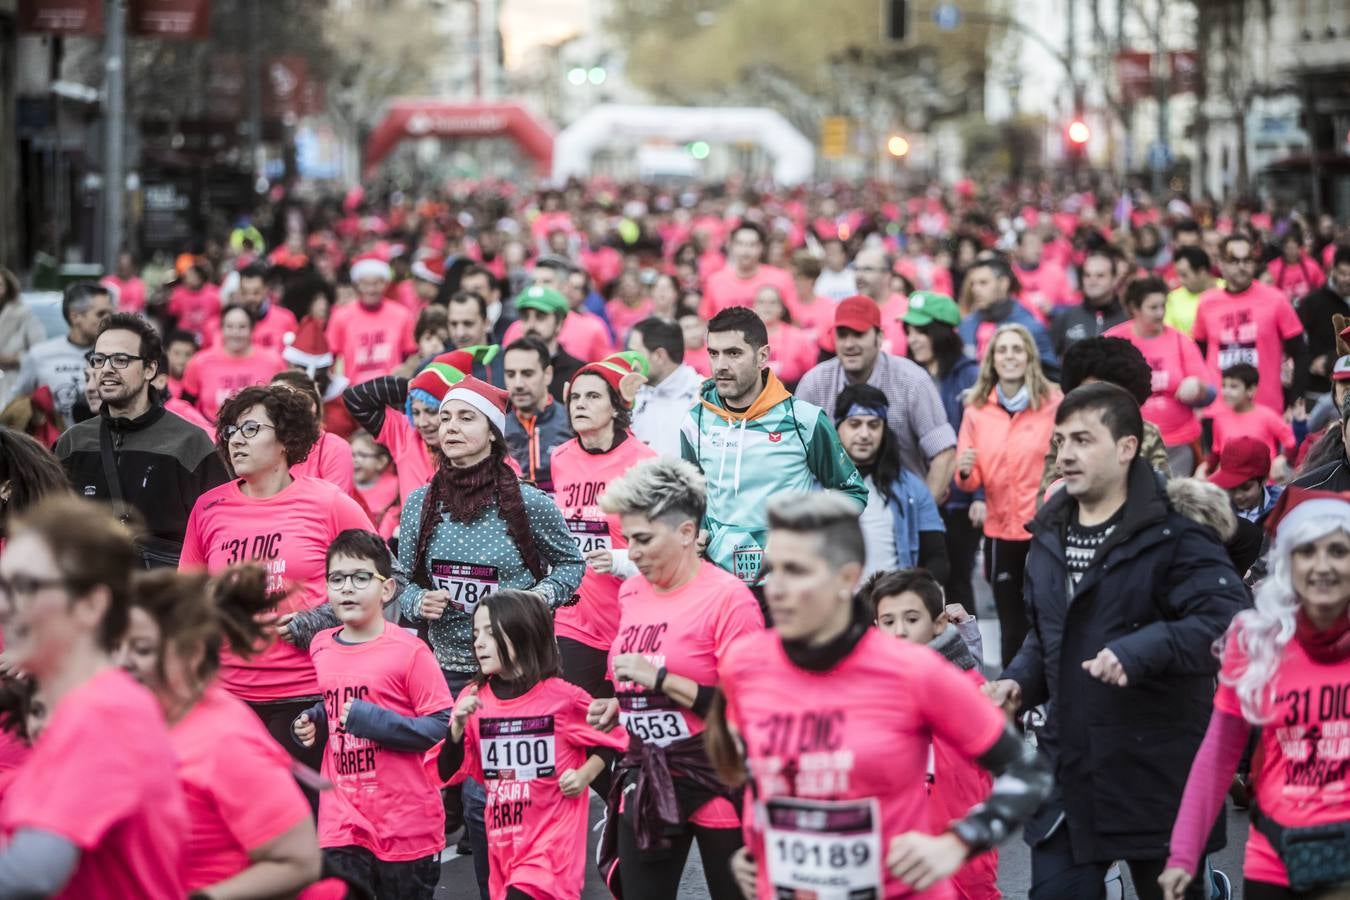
x,y
1328,646
826,656
471,490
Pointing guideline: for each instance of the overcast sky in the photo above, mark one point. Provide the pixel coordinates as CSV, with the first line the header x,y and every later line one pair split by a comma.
x,y
529,23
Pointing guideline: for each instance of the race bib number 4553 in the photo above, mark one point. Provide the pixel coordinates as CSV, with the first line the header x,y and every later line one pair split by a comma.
x,y
827,850
467,583
517,749
652,718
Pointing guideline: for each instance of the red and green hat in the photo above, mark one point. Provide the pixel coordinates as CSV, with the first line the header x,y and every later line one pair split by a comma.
x,y
430,385
625,372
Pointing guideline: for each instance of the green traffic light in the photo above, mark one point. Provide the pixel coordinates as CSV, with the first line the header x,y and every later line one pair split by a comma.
x,y
699,149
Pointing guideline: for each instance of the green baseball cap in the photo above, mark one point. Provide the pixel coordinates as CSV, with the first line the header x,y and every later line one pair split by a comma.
x,y
543,298
927,307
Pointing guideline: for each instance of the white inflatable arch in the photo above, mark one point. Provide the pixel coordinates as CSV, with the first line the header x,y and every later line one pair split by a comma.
x,y
794,156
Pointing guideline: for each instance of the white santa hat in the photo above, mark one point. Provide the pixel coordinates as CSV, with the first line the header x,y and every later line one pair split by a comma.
x,y
489,400
368,265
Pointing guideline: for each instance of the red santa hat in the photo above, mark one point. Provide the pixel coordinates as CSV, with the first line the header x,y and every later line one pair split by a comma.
x,y
370,265
625,372
307,347
430,269
488,400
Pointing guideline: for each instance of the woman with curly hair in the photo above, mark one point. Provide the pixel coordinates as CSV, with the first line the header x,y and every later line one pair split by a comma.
x,y
1285,670
283,522
28,472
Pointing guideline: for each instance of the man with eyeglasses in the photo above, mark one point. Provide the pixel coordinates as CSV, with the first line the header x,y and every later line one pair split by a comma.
x,y
58,364
149,463
1246,321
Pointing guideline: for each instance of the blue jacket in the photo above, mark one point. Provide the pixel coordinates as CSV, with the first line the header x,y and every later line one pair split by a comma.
x,y
1006,312
912,510
952,388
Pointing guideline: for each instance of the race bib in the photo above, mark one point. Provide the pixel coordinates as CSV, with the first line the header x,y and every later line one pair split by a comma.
x,y
827,850
467,583
1232,354
590,534
652,718
517,749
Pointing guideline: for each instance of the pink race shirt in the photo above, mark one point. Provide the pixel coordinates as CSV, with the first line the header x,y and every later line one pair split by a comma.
x,y
838,773
724,289
102,776
289,534
579,480
213,376
583,336
370,342
1173,357
622,317
130,293
792,352
1301,762
269,333
1250,327
331,460
238,785
687,630
412,459
385,800
1258,422
517,749
194,310
957,783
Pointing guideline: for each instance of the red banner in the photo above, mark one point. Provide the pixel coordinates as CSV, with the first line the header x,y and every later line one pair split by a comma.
x,y
186,20
61,16
1134,70
1187,74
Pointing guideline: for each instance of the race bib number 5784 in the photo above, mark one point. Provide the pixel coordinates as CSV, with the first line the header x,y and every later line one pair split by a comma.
x,y
467,583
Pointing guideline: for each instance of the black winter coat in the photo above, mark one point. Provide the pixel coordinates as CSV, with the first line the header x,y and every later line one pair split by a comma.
x,y
1158,594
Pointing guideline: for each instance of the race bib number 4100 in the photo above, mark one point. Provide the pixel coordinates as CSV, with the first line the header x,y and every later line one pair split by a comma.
x,y
517,749
828,850
467,583
653,718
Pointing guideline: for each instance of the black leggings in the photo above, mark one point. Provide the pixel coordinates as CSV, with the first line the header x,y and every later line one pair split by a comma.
x,y
660,879
587,667
277,716
1005,563
963,541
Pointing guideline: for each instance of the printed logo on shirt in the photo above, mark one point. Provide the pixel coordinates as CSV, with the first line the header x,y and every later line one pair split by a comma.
x,y
517,749
260,548
1237,339
1314,737
581,495
803,754
746,561
372,349
231,383
775,437
354,758
467,583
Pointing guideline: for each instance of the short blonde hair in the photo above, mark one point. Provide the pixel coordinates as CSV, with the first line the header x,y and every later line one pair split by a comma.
x,y
659,488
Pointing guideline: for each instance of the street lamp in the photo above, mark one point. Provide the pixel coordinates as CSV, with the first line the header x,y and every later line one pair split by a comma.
x,y
577,76
897,146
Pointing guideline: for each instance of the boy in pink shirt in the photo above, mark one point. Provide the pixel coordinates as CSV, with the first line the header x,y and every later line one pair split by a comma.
x,y
1240,415
385,704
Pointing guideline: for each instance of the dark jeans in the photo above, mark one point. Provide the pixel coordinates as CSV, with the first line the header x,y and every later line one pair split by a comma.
x,y
587,668
1005,564
414,879
963,542
1261,890
660,879
1055,876
277,716
475,803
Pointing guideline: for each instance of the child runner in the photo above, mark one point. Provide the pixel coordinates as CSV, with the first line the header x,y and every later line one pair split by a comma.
x,y
908,604
385,703
1240,415
521,730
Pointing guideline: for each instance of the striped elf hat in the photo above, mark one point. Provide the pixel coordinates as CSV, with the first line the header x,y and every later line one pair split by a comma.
x,y
438,376
625,372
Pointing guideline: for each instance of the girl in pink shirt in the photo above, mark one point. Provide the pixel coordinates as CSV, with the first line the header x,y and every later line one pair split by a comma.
x,y
836,719
521,730
284,523
95,812
213,375
250,827
677,619
1285,668
599,403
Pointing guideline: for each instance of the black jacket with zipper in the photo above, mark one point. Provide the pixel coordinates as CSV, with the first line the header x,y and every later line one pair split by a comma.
x,y
1160,590
165,463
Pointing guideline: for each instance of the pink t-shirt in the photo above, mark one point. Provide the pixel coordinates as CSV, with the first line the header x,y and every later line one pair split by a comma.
x,y
724,289
331,460
696,358
289,533
957,784
1258,422
411,457
687,630
269,333
380,496
238,785
194,310
583,336
213,376
385,800
579,479
1173,357
102,776
1045,285
622,317
792,352
518,749
370,342
1250,327
130,293
893,338
1294,281
1301,761
816,319
843,754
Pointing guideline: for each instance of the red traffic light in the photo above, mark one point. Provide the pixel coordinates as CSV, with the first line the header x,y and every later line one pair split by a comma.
x,y
1079,133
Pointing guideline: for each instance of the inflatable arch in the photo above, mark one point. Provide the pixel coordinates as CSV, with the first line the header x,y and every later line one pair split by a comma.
x,y
419,117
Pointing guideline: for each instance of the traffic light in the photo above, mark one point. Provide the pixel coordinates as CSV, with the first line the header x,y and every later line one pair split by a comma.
x,y
1079,134
895,21
698,149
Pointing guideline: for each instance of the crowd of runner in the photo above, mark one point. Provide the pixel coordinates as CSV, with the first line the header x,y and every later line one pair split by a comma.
x,y
382,522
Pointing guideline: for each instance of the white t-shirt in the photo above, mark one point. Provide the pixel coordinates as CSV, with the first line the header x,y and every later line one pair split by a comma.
x,y
878,528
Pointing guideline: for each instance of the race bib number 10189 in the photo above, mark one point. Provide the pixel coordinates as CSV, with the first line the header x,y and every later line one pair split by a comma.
x,y
827,850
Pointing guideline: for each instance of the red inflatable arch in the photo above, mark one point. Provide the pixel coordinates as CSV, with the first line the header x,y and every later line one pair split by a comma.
x,y
417,117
